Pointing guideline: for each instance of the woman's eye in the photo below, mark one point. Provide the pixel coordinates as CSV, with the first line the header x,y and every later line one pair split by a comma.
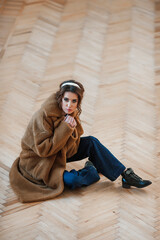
x,y
74,101
66,99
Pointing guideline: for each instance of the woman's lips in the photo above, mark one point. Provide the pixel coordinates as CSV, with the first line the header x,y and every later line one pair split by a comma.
x,y
69,110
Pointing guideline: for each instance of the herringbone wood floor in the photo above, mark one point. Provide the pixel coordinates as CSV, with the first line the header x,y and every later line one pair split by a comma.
x,y
113,48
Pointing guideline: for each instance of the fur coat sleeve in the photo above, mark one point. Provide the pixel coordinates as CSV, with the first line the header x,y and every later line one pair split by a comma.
x,y
43,138
37,174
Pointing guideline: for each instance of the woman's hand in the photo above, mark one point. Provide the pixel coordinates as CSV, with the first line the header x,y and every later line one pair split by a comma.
x,y
71,121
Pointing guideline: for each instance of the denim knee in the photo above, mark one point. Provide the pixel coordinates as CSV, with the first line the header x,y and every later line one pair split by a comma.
x,y
93,139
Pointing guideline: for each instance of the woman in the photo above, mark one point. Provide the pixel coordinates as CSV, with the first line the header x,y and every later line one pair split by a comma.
x,y
52,138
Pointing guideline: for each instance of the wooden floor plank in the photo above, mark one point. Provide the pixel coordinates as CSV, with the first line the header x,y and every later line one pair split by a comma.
x,y
112,47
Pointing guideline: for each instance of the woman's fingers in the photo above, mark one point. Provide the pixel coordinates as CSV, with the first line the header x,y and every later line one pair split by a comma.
x,y
75,123
71,121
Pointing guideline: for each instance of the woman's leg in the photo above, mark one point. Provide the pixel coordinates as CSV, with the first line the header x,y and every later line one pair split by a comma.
x,y
104,161
83,177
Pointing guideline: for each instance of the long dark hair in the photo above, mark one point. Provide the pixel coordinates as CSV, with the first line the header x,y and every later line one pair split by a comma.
x,y
70,88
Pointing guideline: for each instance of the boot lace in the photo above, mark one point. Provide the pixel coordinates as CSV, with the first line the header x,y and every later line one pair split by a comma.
x,y
135,176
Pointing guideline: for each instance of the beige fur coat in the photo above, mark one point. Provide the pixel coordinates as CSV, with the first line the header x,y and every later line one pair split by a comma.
x,y
37,174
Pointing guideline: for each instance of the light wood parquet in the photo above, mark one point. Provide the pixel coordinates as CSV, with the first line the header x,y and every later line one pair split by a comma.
x,y
113,48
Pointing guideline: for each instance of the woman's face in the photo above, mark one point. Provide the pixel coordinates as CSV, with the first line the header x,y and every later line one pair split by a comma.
x,y
69,102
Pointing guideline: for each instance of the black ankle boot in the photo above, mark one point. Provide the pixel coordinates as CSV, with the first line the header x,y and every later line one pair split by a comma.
x,y
129,178
89,163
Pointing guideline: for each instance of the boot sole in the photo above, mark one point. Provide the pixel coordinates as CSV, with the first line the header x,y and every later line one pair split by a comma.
x,y
126,185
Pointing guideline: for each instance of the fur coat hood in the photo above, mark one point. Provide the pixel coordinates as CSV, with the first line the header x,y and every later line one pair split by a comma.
x,y
37,174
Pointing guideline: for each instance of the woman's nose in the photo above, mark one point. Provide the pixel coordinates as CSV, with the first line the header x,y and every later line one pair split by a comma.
x,y
69,103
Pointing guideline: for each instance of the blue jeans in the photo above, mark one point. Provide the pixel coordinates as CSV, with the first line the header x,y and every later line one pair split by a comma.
x,y
104,161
